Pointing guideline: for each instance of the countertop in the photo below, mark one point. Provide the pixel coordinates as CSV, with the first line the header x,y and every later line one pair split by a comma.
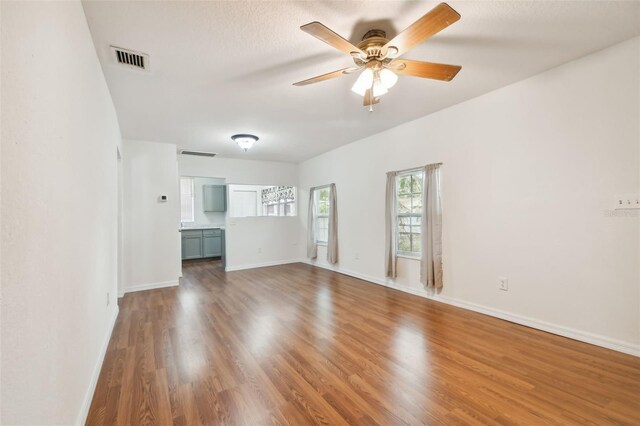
x,y
200,228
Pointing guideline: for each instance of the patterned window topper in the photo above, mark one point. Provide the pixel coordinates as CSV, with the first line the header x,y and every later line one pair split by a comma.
x,y
278,194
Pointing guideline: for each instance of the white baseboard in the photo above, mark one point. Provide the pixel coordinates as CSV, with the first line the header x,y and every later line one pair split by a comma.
x,y
151,286
262,265
88,397
582,336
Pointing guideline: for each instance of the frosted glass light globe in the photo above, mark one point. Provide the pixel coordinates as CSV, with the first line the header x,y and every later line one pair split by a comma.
x,y
388,77
363,83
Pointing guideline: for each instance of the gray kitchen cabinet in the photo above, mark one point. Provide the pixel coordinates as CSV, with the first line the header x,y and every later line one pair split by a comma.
x,y
192,244
211,243
202,243
214,198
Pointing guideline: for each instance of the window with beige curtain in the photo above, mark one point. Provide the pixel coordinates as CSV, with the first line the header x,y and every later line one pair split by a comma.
x,y
322,226
413,222
390,219
312,245
431,272
332,240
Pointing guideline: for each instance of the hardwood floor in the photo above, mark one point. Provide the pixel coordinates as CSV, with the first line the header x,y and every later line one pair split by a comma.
x,y
301,345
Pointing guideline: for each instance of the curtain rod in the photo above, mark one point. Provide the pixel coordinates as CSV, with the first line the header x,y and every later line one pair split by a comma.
x,y
413,169
313,188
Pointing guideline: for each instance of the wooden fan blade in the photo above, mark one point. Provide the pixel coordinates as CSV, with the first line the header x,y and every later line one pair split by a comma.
x,y
425,69
369,99
326,76
436,20
323,33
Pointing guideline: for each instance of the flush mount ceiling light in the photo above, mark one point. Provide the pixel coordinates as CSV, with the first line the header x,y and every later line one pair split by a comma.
x,y
245,141
378,59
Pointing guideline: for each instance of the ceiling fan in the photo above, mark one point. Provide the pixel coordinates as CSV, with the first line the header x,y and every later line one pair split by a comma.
x,y
378,58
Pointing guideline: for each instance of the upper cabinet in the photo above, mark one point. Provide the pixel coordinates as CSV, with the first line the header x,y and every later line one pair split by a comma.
x,y
214,198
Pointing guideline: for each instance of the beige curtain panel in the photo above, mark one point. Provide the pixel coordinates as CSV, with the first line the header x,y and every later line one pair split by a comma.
x,y
390,218
431,261
332,242
312,246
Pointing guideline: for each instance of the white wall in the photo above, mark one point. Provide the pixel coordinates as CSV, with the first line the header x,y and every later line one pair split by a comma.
x,y
1,303
252,241
151,226
529,176
261,241
59,217
239,171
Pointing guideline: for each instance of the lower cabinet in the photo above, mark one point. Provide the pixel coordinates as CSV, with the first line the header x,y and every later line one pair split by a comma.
x,y
192,244
202,243
211,243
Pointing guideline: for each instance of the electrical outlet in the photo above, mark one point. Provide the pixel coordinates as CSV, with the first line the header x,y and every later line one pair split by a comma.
x,y
357,256
503,283
259,250
108,299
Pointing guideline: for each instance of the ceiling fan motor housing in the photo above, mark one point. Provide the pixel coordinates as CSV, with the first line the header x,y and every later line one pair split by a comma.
x,y
374,33
372,43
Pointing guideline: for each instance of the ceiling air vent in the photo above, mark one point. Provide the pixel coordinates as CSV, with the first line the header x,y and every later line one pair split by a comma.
x,y
197,153
130,58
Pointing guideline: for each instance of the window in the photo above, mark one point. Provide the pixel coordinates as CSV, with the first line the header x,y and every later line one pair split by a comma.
x,y
187,199
322,215
261,200
409,211
279,201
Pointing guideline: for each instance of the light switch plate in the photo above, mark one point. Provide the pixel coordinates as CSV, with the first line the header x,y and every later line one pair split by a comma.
x,y
627,201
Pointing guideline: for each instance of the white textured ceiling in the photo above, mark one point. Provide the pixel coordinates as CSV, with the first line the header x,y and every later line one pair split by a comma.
x,y
225,67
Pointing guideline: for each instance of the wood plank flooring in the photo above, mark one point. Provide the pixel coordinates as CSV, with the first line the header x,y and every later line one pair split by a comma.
x,y
301,345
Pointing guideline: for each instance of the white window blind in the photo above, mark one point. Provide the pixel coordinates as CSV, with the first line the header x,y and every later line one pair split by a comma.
x,y
187,199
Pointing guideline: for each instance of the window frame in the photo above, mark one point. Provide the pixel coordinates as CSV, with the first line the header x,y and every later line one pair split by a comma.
x,y
317,214
410,215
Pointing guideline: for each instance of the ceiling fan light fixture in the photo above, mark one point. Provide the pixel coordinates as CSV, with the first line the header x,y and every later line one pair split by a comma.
x,y
379,56
245,141
364,82
379,88
388,78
